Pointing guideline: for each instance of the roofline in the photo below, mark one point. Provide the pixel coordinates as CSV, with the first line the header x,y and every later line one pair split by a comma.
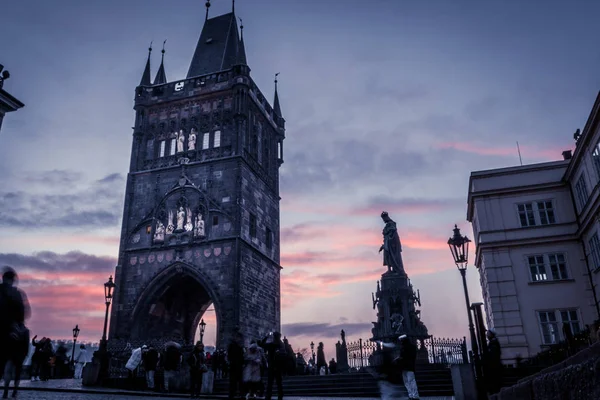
x,y
10,102
507,171
586,136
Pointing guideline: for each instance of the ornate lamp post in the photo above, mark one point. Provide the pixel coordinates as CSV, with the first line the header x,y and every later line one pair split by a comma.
x,y
202,326
312,350
459,247
75,335
108,295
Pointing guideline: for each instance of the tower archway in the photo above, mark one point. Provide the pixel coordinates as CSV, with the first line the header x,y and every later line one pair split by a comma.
x,y
173,304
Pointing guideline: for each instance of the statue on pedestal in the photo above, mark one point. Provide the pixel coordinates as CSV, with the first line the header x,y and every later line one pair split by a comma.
x,y
391,247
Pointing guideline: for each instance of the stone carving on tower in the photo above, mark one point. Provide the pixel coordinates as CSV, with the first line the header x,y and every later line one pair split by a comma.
x,y
395,297
192,140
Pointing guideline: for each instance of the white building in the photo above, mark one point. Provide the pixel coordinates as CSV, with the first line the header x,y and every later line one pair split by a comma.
x,y
535,230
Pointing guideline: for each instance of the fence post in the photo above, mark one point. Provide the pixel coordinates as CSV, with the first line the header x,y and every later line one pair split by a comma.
x,y
463,346
433,349
361,352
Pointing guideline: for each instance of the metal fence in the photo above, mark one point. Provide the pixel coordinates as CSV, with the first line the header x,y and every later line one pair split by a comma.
x,y
443,351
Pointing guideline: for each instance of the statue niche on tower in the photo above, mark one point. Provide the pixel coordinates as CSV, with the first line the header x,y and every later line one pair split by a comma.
x,y
391,247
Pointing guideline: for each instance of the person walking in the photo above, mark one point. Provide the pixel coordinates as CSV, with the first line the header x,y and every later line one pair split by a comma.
x,y
172,362
150,359
388,373
276,358
235,356
37,358
253,359
80,361
408,359
14,335
492,363
197,363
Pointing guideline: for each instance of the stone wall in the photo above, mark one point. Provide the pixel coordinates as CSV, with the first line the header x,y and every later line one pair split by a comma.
x,y
578,377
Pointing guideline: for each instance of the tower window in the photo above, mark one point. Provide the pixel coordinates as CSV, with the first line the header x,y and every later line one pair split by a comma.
x,y
205,141
149,149
173,147
215,220
268,238
252,225
279,151
217,139
162,148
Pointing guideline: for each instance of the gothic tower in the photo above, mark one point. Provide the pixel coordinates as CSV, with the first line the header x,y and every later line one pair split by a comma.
x,y
201,215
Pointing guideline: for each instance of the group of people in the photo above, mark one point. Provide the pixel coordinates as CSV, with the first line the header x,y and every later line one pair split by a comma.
x,y
398,368
47,363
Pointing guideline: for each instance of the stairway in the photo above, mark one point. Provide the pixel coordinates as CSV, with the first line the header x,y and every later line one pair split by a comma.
x,y
433,380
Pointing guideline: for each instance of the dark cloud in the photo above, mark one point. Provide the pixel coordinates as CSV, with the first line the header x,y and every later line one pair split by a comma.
x,y
63,199
53,262
324,330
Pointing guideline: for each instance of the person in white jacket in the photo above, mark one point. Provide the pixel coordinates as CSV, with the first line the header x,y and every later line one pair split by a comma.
x,y
80,361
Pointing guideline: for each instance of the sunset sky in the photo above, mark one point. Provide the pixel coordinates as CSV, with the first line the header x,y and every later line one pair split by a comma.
x,y
389,105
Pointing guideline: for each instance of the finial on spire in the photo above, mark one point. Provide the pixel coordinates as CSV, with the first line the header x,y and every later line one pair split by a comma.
x,y
276,75
163,49
241,28
150,48
233,6
207,7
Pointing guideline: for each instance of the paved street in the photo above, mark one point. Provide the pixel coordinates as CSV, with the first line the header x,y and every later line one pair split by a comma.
x,y
37,395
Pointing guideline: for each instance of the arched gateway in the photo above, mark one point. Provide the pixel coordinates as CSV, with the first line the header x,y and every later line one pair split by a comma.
x,y
201,215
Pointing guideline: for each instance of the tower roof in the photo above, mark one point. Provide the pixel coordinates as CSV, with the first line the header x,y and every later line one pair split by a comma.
x,y
276,106
217,48
146,75
161,76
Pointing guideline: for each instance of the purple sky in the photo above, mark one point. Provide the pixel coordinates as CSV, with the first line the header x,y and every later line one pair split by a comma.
x,y
389,105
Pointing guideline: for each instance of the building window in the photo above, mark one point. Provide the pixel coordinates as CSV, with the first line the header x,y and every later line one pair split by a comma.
x,y
268,238
173,147
581,191
537,268
571,319
217,139
546,212
526,214
558,266
215,220
149,149
279,151
594,243
162,149
205,141
549,327
596,158
252,225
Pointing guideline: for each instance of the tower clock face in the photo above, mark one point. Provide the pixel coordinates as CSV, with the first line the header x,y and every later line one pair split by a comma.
x,y
179,86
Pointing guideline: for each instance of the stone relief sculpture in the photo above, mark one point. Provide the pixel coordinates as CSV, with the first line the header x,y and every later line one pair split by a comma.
x,y
391,247
180,141
170,226
397,320
192,140
159,232
199,229
180,218
189,225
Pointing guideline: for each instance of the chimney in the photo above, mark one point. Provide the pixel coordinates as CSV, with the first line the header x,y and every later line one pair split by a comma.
x,y
567,154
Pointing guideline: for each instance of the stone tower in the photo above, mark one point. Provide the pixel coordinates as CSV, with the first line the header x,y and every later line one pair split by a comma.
x,y
201,215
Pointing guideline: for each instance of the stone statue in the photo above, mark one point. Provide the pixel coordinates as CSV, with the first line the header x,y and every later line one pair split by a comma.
x,y
180,218
159,232
397,320
192,140
170,225
188,225
343,334
391,247
199,229
180,141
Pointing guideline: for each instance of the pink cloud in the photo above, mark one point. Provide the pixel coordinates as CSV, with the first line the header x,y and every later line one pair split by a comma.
x,y
527,151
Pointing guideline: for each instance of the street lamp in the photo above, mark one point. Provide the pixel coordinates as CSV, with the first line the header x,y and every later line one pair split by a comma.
x,y
202,326
459,247
75,335
312,350
108,295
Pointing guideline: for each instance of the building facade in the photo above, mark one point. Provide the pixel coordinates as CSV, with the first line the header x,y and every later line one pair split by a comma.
x,y
535,230
201,214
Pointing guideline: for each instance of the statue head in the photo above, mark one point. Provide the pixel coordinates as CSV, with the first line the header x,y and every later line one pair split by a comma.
x,y
385,216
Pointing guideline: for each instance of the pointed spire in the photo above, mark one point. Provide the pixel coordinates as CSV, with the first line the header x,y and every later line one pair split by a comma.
x,y
276,106
233,6
146,75
241,56
207,7
161,76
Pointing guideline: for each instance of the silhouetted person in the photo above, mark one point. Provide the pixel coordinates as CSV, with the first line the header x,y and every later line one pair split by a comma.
x,y
80,361
276,360
235,357
389,372
14,336
492,363
197,363
408,358
37,358
332,366
150,360
171,363
321,360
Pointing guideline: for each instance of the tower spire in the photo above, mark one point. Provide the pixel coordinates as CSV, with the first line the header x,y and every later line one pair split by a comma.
x,y
233,6
276,106
207,7
146,75
161,76
241,50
